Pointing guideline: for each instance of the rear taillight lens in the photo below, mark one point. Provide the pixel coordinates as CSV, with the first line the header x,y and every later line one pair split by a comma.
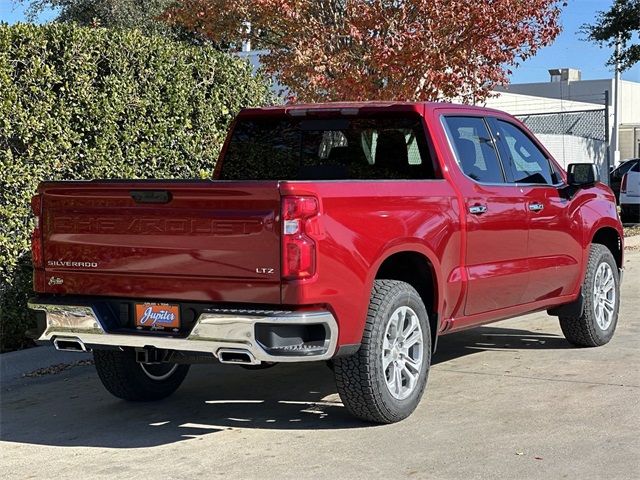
x,y
298,245
36,235
623,185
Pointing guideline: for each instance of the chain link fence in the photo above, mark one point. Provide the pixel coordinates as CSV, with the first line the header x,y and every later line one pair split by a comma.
x,y
576,136
587,123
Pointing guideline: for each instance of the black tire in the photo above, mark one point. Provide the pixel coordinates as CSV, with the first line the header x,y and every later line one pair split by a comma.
x,y
360,378
125,378
627,215
583,330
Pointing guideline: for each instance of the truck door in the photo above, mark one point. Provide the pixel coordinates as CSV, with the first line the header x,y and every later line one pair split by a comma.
x,y
554,244
496,219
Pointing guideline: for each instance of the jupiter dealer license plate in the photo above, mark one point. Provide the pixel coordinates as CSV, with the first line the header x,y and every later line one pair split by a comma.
x,y
157,316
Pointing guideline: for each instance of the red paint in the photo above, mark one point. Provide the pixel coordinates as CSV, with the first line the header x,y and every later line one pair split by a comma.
x,y
218,241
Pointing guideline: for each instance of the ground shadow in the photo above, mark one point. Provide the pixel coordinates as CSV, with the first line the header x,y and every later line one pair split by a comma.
x,y
480,339
74,409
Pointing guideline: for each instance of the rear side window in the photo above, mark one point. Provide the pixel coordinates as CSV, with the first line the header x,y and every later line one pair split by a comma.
x,y
474,148
526,162
285,148
624,168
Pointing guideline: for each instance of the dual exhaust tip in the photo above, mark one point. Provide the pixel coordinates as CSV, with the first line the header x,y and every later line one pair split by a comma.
x,y
235,356
70,345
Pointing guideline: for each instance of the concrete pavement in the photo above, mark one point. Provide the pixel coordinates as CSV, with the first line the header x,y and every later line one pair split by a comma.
x,y
509,400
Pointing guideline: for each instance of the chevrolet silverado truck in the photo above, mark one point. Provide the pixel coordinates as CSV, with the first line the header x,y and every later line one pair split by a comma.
x,y
351,233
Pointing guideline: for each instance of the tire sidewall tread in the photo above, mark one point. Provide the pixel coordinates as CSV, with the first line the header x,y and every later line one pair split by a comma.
x,y
123,377
360,378
583,330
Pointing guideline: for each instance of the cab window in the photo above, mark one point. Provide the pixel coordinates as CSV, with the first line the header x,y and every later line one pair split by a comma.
x,y
474,149
523,160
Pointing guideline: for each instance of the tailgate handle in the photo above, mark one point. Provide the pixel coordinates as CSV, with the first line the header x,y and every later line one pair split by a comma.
x,y
151,196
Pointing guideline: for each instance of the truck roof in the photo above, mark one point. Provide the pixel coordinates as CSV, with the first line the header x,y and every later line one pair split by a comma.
x,y
299,109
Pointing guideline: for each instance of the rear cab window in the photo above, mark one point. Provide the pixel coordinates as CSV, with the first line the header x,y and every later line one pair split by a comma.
x,y
390,146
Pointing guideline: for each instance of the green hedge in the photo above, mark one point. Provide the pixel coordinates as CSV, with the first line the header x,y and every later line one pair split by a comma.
x,y
82,103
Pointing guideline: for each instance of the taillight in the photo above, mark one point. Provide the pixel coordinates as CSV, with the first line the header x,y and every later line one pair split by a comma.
x,y
298,245
36,235
623,185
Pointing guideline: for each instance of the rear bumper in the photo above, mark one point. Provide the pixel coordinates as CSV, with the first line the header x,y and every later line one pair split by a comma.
x,y
213,332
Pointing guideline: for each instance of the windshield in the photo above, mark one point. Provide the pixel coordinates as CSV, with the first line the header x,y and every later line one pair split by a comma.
x,y
286,148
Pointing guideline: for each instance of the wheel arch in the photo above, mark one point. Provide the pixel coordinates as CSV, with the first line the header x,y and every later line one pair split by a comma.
x,y
418,270
610,237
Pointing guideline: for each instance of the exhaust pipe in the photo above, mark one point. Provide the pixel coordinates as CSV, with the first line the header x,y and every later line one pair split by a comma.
x,y
70,345
237,356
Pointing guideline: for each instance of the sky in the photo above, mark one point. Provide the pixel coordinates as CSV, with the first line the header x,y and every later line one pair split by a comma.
x,y
567,51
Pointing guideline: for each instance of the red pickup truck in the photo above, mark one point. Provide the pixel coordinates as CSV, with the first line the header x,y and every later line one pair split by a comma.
x,y
354,233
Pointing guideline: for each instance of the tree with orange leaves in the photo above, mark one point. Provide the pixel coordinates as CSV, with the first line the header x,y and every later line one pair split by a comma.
x,y
381,49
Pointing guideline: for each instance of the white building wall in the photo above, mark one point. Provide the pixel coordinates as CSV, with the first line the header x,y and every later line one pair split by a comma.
x,y
568,149
518,104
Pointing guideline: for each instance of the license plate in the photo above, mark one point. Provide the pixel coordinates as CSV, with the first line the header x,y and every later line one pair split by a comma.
x,y
157,316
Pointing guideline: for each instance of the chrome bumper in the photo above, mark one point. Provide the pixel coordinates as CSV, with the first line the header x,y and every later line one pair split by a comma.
x,y
213,331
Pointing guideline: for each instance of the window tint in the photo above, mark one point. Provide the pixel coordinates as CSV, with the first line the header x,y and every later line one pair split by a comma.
x,y
474,149
525,161
635,168
373,147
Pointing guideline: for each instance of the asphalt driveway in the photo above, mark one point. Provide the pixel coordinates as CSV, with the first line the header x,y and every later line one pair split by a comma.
x,y
510,400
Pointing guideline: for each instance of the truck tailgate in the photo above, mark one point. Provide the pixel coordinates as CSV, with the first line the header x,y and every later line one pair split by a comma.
x,y
192,240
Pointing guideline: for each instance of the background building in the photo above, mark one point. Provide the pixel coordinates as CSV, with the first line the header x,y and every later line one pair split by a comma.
x,y
574,118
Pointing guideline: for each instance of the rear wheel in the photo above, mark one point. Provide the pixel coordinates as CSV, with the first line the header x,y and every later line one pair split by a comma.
x,y
601,289
128,379
384,381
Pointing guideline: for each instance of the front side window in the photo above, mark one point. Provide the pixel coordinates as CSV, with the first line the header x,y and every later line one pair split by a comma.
x,y
474,149
524,160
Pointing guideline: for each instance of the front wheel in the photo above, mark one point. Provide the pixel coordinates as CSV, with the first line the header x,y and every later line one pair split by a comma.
x,y
128,379
601,289
384,381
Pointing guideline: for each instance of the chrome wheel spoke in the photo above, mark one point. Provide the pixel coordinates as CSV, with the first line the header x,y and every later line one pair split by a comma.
x,y
412,340
386,361
397,380
412,377
412,324
412,364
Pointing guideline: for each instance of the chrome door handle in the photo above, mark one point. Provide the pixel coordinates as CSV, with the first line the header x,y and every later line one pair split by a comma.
x,y
477,209
536,207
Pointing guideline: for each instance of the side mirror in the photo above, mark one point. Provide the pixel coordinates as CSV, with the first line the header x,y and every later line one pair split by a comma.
x,y
582,174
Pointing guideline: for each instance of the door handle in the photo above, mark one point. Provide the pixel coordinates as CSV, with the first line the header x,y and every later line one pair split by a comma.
x,y
477,209
536,207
